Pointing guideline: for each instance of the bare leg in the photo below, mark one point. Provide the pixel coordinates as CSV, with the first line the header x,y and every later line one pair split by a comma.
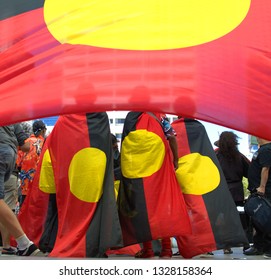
x,y
5,236
10,221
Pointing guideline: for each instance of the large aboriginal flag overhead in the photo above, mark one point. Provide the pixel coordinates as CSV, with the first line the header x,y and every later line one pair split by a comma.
x,y
205,59
214,217
151,204
81,175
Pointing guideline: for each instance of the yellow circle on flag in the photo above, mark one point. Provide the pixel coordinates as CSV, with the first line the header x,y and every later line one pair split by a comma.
x,y
141,24
86,174
197,174
142,154
47,178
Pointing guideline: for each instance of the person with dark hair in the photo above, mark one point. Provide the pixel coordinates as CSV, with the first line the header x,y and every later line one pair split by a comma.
x,y
27,162
234,165
259,181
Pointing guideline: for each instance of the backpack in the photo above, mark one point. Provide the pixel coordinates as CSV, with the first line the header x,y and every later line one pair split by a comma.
x,y
259,209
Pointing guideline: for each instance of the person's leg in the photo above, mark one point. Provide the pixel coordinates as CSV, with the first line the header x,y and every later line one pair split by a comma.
x,y
7,217
267,245
166,248
9,220
258,243
12,225
5,237
146,252
11,198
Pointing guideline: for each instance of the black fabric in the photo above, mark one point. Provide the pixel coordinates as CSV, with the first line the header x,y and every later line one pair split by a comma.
x,y
234,172
260,159
9,8
220,215
104,230
259,209
48,238
131,198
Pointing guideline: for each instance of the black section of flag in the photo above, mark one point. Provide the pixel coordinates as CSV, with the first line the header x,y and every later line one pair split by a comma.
x,y
104,230
222,211
131,198
10,8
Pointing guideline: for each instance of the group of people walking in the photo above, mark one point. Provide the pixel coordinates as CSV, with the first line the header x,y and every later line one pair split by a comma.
x,y
150,160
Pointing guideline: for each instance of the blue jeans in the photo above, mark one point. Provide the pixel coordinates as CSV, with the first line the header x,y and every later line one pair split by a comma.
x,y
7,164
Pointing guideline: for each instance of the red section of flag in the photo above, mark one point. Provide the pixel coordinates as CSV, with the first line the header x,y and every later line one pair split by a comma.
x,y
213,215
161,189
151,207
74,215
202,81
202,239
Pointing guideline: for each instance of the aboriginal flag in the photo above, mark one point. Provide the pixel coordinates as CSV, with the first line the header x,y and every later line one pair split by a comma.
x,y
82,166
191,58
213,214
151,204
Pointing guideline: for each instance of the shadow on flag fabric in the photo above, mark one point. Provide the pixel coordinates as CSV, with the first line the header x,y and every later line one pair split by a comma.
x,y
191,58
151,204
213,214
81,162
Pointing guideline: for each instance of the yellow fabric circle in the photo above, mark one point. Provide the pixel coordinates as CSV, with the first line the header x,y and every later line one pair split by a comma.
x,y
197,174
47,178
142,154
141,24
86,174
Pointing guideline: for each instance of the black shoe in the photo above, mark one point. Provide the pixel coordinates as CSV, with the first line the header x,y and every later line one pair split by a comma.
x,y
32,250
252,251
245,248
9,251
267,255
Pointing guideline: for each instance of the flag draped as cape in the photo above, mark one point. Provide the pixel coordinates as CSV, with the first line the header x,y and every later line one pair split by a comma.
x,y
214,217
80,151
151,204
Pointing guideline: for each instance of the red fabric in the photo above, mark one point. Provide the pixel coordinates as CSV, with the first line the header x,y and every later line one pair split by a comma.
x,y
74,215
225,81
33,212
128,250
214,218
164,199
202,239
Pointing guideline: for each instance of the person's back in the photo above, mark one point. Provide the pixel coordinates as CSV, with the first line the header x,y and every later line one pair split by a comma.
x,y
28,161
234,165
